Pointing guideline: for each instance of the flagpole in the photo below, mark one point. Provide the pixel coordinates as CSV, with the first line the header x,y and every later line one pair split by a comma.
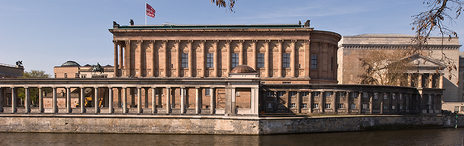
x,y
145,15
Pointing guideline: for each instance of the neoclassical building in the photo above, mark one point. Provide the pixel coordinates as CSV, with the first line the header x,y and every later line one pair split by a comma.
x,y
293,54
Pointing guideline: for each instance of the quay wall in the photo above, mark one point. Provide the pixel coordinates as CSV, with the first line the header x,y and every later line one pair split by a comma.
x,y
215,124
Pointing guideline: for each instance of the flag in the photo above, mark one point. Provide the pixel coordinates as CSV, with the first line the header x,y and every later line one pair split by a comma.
x,y
150,11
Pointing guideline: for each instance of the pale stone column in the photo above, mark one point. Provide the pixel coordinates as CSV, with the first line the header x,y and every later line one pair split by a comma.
x,y
266,58
121,57
298,101
307,58
334,101
141,59
233,108
229,56
409,80
293,58
371,108
190,58
139,100
178,58
13,100
68,100
153,99
124,100
440,80
241,60
360,102
153,58
27,100
110,100
41,108
347,95
310,102
203,57
197,100
168,102
82,98
115,58
182,100
1,99
280,60
127,57
212,101
54,107
97,108
255,100
215,58
255,55
166,57
430,82
419,83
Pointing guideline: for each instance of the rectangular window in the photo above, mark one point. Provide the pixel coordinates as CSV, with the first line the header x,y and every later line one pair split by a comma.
x,y
353,106
393,107
234,60
401,97
393,96
281,93
385,107
286,60
260,60
286,82
292,93
456,109
269,105
401,107
340,105
353,94
462,108
207,91
184,60
316,105
341,94
292,105
317,93
376,96
304,105
313,61
270,93
385,96
209,60
65,75
327,105
303,94
365,95
328,94
364,106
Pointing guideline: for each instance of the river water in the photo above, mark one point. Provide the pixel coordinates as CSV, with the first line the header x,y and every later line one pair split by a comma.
x,y
430,137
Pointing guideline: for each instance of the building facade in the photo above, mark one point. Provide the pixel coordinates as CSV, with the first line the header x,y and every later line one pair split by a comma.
x,y
11,71
72,69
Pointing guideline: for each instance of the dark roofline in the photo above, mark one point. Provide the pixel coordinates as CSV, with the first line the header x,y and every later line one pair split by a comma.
x,y
231,26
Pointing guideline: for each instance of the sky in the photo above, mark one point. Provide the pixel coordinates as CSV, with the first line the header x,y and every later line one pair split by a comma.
x,y
47,33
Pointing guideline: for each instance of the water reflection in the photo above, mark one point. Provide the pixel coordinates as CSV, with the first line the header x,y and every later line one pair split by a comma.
x,y
401,137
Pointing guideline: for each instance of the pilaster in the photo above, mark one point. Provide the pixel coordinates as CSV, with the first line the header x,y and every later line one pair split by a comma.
x,y
266,58
280,60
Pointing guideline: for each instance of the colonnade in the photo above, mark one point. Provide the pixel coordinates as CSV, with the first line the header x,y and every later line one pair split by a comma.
x,y
419,78
154,58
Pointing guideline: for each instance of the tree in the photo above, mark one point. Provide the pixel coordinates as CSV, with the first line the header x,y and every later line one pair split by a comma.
x,y
34,92
224,3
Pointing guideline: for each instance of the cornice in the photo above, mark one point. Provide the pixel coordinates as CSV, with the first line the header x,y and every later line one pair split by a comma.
x,y
403,46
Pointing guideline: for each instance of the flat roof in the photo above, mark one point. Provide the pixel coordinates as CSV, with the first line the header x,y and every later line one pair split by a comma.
x,y
231,26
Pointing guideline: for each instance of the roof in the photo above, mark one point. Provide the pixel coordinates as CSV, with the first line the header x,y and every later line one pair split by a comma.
x,y
70,63
243,69
239,26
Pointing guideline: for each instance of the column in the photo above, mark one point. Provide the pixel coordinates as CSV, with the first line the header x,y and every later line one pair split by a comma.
x,y
293,58
13,100
146,97
124,100
27,100
241,60
255,55
197,100
54,107
229,57
115,58
430,82
298,102
153,99
41,109
141,59
182,100
1,99
215,58
168,102
212,101
371,108
348,107
334,102
166,57
322,102
255,101
266,58
203,57
179,59
119,97
110,100
419,82
409,80
310,102
232,109
82,98
68,100
440,80
127,55
97,108
154,53
360,102
190,58
307,58
139,100
279,63
121,57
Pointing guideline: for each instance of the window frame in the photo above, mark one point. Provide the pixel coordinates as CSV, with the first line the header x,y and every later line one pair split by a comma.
x,y
286,60
184,60
209,60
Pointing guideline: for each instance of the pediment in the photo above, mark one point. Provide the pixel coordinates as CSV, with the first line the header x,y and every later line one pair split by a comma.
x,y
423,61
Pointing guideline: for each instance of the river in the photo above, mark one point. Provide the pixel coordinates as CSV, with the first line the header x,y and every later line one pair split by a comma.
x,y
430,137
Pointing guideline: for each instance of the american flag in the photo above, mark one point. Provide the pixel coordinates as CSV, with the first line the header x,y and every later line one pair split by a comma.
x,y
150,11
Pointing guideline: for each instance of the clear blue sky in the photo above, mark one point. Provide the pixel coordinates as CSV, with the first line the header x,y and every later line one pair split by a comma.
x,y
47,33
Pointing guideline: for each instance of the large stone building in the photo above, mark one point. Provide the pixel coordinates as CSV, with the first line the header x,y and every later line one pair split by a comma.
x,y
72,69
11,71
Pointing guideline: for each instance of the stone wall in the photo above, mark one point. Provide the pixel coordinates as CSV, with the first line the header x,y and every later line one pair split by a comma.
x,y
215,124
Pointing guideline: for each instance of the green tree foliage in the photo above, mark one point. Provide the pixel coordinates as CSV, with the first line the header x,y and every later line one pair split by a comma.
x,y
34,92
